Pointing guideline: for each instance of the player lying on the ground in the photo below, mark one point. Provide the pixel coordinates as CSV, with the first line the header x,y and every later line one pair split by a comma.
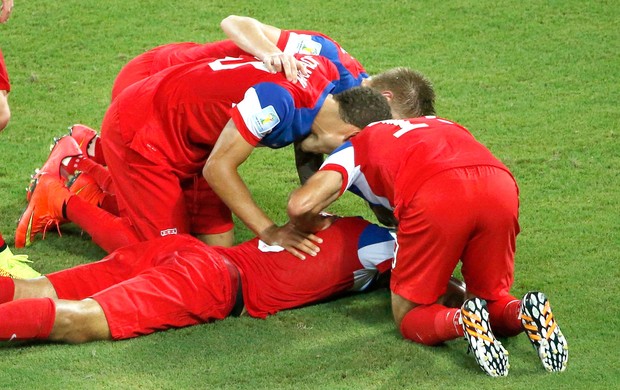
x,y
178,281
453,200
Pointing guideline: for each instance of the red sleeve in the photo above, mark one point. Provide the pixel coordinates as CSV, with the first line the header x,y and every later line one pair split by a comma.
x,y
284,34
237,118
342,171
5,85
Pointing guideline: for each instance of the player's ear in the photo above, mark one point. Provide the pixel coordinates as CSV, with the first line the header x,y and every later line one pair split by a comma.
x,y
389,95
352,131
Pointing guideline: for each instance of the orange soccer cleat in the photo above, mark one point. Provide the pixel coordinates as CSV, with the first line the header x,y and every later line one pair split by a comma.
x,y
44,209
63,147
83,135
86,188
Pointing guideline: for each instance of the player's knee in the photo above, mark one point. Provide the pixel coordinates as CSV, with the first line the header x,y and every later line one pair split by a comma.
x,y
79,322
5,112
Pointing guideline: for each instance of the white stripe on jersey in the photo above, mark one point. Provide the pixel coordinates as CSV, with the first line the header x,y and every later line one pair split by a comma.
x,y
302,43
356,181
375,246
258,120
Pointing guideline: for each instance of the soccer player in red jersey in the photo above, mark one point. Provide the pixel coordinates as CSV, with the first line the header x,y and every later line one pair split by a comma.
x,y
10,264
5,88
158,134
452,200
178,281
247,36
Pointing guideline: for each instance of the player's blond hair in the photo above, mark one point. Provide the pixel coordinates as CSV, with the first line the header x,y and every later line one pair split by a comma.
x,y
412,92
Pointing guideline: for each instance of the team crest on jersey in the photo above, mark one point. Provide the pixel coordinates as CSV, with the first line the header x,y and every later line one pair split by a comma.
x,y
308,46
265,120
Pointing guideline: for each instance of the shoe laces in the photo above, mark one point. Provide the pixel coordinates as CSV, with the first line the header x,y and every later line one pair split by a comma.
x,y
49,223
532,329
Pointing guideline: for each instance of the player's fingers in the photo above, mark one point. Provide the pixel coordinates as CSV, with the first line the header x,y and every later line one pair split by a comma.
x,y
296,253
308,247
278,64
314,238
269,64
290,64
301,67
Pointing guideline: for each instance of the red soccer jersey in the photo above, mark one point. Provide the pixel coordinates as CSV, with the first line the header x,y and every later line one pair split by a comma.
x,y
291,41
394,154
5,85
352,254
177,115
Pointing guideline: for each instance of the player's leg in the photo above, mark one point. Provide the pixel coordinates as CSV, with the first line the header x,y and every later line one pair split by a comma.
x,y
81,281
5,111
79,322
210,219
149,194
191,284
49,319
431,241
488,261
488,268
29,309
5,87
106,229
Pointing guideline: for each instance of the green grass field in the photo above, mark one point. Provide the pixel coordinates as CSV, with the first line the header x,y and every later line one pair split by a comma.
x,y
536,81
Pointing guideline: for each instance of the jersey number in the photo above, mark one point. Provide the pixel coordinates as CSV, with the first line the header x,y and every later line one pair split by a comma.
x,y
232,63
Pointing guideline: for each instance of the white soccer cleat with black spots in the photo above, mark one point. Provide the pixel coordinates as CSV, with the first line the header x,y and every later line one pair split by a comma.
x,y
543,331
488,351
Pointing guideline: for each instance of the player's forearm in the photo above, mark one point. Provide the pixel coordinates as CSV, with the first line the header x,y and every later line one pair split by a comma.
x,y
229,187
310,223
306,204
248,34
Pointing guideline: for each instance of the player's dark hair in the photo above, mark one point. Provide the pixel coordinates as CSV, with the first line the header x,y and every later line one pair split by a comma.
x,y
360,106
412,92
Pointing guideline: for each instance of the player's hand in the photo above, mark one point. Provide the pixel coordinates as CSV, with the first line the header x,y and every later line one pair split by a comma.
x,y
287,63
297,243
326,220
7,7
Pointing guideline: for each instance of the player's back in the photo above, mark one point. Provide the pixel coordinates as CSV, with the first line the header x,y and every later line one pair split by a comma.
x,y
180,112
312,42
353,252
407,152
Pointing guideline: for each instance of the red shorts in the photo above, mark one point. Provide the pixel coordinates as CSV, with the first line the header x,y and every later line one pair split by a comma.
x,y
469,214
207,213
5,85
152,195
137,69
174,281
